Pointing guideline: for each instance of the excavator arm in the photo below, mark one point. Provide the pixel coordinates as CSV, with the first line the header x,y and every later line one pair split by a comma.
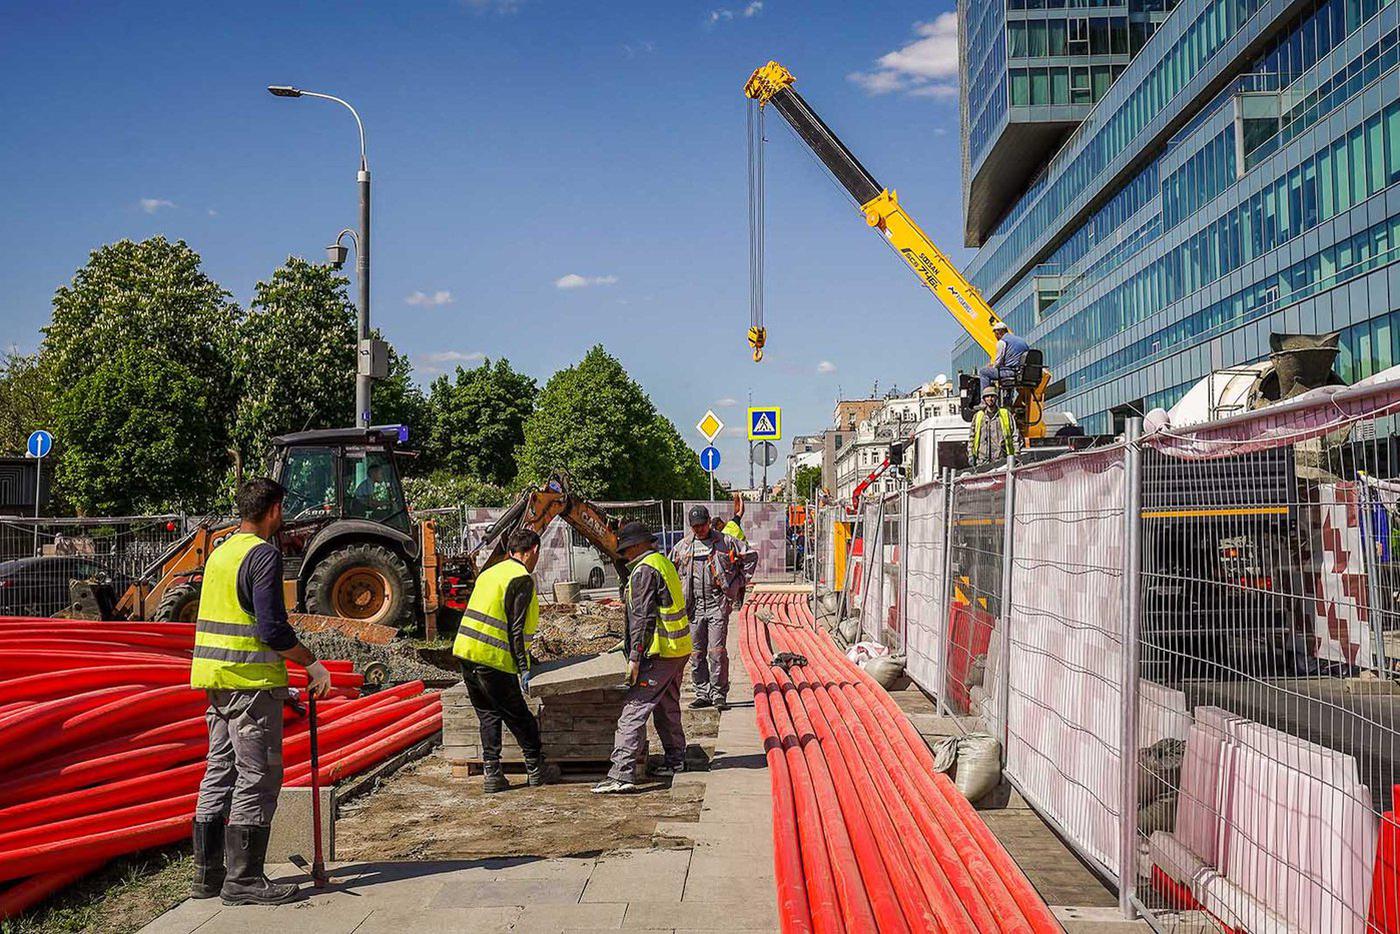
x,y
536,509
772,84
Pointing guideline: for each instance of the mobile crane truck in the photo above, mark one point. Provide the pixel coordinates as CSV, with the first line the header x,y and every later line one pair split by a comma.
x,y
773,84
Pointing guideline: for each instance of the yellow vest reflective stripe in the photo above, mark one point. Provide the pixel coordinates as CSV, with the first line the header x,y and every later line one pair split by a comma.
x,y
672,638
483,637
228,655
731,528
981,416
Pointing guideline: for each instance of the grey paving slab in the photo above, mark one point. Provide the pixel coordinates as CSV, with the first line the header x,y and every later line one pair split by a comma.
x,y
729,915
591,916
427,921
330,917
570,675
659,875
520,892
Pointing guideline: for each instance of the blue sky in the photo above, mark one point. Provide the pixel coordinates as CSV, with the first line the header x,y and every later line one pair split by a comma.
x,y
517,146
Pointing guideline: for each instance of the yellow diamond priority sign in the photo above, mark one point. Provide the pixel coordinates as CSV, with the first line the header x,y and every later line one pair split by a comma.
x,y
710,425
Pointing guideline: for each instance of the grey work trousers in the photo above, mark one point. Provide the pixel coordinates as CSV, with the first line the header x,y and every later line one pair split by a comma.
x,y
243,772
657,694
709,658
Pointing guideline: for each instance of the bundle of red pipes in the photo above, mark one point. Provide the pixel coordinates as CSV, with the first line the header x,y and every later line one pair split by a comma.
x,y
866,835
102,743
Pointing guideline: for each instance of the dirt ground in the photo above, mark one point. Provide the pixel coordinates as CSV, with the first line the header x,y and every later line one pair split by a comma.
x,y
571,629
423,813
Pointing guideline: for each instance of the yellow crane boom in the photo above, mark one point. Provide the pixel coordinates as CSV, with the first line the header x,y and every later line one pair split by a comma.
x,y
773,84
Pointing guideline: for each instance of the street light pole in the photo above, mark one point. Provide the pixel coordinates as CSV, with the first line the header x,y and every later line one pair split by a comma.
x,y
363,379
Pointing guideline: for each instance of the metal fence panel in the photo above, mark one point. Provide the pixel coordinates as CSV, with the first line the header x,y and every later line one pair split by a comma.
x,y
926,591
765,527
1065,623
973,640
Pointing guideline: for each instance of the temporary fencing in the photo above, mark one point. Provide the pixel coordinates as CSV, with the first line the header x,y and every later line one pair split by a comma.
x,y
102,743
1186,641
867,836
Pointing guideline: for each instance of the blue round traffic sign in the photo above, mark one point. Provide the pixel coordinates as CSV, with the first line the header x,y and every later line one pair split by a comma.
x,y
709,458
40,444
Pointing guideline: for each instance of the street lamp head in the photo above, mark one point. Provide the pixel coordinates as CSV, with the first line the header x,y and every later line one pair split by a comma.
x,y
335,255
277,90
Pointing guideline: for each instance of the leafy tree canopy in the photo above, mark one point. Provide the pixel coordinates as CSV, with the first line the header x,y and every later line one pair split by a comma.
x,y
477,421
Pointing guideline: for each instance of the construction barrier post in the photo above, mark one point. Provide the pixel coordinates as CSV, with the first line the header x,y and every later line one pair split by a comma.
x,y
903,614
1131,632
1004,644
945,608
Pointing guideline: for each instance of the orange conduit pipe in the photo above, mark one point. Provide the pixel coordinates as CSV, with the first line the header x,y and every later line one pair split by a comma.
x,y
806,892
959,868
882,706
857,913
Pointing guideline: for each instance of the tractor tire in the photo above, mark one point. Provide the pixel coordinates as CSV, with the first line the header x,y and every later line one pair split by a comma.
x,y
364,582
179,604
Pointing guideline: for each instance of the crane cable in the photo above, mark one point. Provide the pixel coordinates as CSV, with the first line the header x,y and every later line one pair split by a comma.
x,y
758,334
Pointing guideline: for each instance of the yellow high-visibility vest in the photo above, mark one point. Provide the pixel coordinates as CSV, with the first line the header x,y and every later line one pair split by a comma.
x,y
731,528
672,638
483,636
228,655
1007,442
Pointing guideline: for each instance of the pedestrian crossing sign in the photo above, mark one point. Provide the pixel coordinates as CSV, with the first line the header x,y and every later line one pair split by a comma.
x,y
766,423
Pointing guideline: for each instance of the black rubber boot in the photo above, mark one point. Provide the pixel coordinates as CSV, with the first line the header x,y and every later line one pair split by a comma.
x,y
539,772
208,858
494,779
245,848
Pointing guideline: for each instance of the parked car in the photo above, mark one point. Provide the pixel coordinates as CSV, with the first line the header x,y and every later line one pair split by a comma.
x,y
39,586
588,565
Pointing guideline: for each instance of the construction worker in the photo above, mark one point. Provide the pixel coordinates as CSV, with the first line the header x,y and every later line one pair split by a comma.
x,y
713,568
658,645
493,646
242,643
1010,357
994,434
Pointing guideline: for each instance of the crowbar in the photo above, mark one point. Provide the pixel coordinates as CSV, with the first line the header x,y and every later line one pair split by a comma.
x,y
318,863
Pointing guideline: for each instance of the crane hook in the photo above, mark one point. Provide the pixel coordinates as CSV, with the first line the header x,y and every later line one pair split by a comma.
x,y
758,336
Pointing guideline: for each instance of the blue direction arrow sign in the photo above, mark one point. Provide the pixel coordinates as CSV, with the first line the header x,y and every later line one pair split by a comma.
x,y
709,458
40,444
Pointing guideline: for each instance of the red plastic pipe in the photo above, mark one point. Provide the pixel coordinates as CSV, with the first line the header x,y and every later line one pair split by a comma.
x,y
75,851
22,896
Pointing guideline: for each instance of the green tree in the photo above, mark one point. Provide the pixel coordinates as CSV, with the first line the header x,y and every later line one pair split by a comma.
x,y
140,347
398,400
26,400
593,421
442,489
295,357
805,481
478,421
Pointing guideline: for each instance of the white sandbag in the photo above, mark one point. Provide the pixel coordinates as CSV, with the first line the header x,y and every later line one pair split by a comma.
x,y
885,669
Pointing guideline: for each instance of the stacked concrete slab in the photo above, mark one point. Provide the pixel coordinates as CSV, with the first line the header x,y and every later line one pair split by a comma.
x,y
577,702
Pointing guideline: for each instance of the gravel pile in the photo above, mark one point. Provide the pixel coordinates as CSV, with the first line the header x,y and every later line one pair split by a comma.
x,y
584,628
401,657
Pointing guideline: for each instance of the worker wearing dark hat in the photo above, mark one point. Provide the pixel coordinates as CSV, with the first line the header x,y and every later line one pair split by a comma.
x,y
658,646
714,567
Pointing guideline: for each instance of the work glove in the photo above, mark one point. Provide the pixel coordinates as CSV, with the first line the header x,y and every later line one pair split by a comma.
x,y
525,681
318,679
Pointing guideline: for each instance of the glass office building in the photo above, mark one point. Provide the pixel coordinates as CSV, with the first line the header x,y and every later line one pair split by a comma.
x,y
1033,69
1238,177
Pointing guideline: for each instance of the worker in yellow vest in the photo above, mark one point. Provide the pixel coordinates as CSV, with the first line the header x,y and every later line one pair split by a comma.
x,y
658,648
994,434
242,643
493,647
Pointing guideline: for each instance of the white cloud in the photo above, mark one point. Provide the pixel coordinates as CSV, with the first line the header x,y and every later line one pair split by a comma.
x,y
212,213
926,66
732,431
754,8
440,361
440,297
454,356
826,366
152,205
574,281
645,47
728,402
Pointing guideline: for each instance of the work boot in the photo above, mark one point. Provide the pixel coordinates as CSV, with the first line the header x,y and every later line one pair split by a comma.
x,y
494,779
539,772
700,701
208,858
245,848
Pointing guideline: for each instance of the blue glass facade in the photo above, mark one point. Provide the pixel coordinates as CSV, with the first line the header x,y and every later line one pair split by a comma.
x,y
1242,176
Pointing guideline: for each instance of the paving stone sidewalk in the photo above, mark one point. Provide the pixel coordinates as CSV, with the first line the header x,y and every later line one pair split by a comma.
x,y
714,875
